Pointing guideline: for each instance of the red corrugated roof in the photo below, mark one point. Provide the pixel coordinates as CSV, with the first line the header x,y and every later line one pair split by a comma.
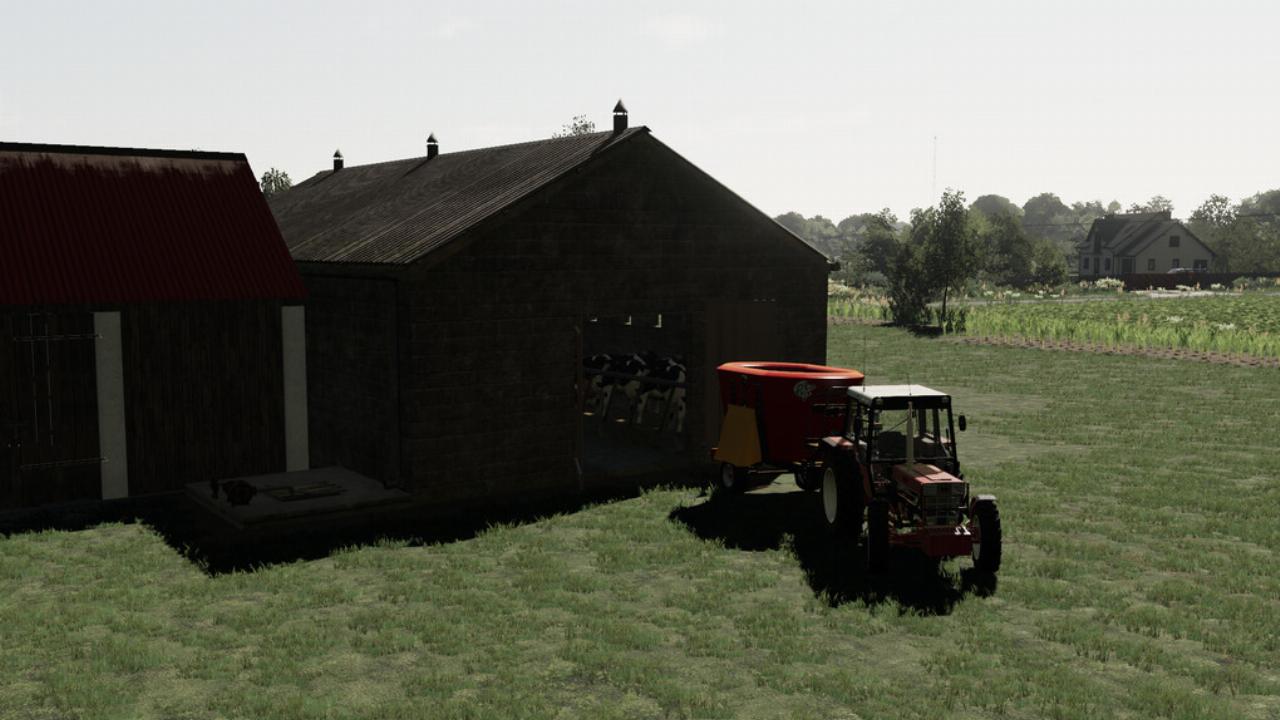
x,y
116,225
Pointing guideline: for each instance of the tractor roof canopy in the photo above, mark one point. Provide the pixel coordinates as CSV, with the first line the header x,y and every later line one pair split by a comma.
x,y
896,397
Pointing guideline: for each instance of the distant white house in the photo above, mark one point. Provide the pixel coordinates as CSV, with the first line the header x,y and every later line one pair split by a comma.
x,y
1119,244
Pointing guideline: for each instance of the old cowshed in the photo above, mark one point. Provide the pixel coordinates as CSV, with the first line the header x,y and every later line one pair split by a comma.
x,y
455,297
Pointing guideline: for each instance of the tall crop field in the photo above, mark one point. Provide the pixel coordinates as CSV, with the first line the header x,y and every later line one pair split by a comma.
x,y
1237,324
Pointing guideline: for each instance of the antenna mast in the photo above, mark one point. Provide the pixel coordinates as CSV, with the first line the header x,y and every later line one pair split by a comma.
x,y
933,188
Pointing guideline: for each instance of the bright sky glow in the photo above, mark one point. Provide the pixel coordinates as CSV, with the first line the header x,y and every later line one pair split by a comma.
x,y
824,108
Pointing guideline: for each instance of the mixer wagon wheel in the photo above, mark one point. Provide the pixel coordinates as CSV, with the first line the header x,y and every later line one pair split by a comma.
x,y
732,478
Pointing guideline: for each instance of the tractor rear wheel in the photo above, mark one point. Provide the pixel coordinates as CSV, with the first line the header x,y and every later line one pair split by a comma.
x,y
841,498
877,536
987,551
732,478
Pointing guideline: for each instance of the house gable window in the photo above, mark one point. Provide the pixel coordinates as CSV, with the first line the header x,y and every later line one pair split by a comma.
x,y
1084,263
1174,240
1176,263
1151,263
1107,262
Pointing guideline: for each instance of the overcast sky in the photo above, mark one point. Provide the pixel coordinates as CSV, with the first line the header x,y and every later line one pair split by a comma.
x,y
827,108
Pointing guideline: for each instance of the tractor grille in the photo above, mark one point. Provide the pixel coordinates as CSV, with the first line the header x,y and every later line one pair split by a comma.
x,y
942,503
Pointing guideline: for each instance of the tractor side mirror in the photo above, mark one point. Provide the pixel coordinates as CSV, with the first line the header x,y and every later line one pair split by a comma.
x,y
963,424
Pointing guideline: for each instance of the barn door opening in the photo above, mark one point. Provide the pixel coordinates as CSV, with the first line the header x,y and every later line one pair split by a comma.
x,y
48,409
736,331
632,396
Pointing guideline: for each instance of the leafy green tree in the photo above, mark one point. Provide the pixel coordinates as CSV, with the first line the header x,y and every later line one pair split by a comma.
x,y
1255,245
1214,223
1044,210
879,240
794,222
1046,216
1157,203
950,253
991,205
1006,250
275,181
580,125
1048,265
1216,211
908,291
818,230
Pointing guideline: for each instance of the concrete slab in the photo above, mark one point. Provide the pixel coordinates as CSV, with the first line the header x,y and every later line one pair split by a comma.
x,y
300,494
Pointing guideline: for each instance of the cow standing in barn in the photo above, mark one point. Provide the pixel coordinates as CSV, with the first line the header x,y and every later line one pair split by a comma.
x,y
597,383
636,366
669,369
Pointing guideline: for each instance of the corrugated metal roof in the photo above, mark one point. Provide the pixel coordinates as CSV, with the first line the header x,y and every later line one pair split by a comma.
x,y
123,225
396,212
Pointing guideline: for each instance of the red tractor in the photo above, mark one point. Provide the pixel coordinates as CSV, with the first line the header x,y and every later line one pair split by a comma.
x,y
896,459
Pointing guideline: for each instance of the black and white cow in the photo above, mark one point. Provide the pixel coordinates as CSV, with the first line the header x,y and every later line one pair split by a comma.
x,y
595,396
636,365
601,387
670,369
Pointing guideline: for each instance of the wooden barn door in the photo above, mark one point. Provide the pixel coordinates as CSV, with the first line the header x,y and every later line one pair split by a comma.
x,y
48,409
736,331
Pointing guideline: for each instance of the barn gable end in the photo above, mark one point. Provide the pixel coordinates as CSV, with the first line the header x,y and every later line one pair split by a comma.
x,y
492,327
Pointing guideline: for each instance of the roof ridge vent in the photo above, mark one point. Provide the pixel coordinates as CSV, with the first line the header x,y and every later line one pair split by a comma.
x,y
433,146
337,160
619,117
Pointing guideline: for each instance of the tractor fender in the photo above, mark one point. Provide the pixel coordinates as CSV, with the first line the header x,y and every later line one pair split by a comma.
x,y
978,499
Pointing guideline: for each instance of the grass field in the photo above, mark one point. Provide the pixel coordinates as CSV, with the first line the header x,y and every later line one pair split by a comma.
x,y
1141,580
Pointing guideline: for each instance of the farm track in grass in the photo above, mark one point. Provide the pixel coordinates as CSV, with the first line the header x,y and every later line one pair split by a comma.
x,y
1140,581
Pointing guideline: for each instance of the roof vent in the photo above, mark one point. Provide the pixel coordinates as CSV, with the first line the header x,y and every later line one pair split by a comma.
x,y
619,117
337,160
433,147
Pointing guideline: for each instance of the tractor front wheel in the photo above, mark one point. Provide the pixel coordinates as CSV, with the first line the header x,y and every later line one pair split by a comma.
x,y
732,478
878,536
841,498
987,551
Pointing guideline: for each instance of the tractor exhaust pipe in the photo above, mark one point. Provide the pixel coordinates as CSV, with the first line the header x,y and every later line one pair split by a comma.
x,y
911,438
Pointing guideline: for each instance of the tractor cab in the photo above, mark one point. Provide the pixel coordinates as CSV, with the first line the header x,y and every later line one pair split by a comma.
x,y
882,418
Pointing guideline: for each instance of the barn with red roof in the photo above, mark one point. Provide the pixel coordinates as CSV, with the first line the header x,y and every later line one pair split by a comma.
x,y
151,325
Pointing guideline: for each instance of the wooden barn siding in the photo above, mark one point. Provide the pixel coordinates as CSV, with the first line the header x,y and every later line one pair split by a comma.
x,y
74,410
352,374
488,401
203,392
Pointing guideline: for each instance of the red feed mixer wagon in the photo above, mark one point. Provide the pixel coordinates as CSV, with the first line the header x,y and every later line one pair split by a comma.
x,y
883,453
775,414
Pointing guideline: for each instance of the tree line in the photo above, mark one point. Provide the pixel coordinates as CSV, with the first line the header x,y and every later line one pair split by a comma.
x,y
1033,244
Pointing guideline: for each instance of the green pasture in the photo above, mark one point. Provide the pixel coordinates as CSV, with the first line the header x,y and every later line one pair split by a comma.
x,y
1141,580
